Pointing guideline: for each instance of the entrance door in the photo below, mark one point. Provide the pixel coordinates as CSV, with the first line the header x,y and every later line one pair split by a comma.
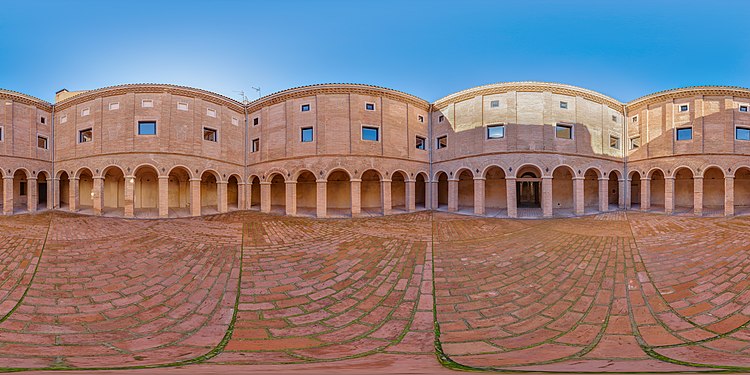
x,y
528,193
42,192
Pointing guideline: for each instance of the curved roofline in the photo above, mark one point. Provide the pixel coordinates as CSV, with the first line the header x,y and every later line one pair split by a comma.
x,y
688,91
5,93
532,86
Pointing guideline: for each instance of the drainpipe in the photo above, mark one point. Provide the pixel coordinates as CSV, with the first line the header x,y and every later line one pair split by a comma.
x,y
52,172
429,155
247,129
625,148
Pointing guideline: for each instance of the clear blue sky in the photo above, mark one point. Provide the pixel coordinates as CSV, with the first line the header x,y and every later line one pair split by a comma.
x,y
624,49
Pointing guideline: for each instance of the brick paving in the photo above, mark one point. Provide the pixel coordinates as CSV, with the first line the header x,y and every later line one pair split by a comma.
x,y
251,292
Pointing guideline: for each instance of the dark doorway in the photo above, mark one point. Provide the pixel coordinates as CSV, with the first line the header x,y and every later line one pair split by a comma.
x,y
42,191
528,193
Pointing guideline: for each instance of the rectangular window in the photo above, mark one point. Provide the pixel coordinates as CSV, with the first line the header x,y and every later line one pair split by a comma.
x,y
420,118
114,106
210,135
85,112
2,133
743,108
23,188
255,146
85,135
564,105
635,142
614,142
684,107
63,119
442,142
146,127
235,121
494,104
210,112
742,134
441,118
42,119
256,121
305,107
307,134
614,118
635,118
147,103
495,131
421,143
564,131
41,142
684,134
182,106
369,106
370,133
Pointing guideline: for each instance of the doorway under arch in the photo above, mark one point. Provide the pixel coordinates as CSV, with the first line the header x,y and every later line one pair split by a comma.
x,y
338,195
113,192
146,192
307,194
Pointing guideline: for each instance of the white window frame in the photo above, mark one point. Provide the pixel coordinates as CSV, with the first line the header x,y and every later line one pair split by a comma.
x,y
372,104
183,106
147,103
216,134
494,104
630,146
683,127
572,130
210,112
46,141
85,112
83,130
634,119
254,149
746,106
114,106
564,105
619,141
235,121
487,134
735,132
362,133
63,119
302,108
679,107
437,142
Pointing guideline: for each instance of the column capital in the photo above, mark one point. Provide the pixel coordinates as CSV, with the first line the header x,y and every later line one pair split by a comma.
x,y
321,181
510,178
222,182
579,178
290,182
386,180
265,183
453,179
697,177
8,177
645,178
668,178
355,180
98,177
163,177
603,179
481,178
33,178
728,177
195,179
546,177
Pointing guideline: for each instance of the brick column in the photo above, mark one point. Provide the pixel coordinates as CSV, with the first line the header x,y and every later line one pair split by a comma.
x,y
265,196
129,196
411,195
603,194
629,195
356,187
729,196
547,196
479,195
50,193
73,194
510,196
622,198
385,196
579,204
97,194
433,188
291,197
669,195
163,196
55,196
452,195
221,190
8,195
698,195
321,198
31,193
241,196
645,194
195,197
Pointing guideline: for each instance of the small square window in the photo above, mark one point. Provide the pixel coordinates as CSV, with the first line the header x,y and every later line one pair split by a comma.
x,y
743,108
182,106
564,105
1,133
684,107
684,134
564,131
210,112
370,133
256,121
41,142
420,118
210,135
614,142
494,104
42,119
742,134
305,107
63,119
635,142
22,187
369,106
442,142
85,135
441,118
614,118
146,127
147,103
421,143
85,112
255,146
114,106
307,134
635,119
495,131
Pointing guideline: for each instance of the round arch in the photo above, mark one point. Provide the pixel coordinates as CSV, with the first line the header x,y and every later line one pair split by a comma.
x,y
209,198
371,191
233,191
420,190
145,190
113,190
441,198
398,191
684,193
562,189
178,191
713,191
495,190
591,196
307,192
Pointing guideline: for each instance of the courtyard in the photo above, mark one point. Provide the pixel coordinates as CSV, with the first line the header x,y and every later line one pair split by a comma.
x,y
424,292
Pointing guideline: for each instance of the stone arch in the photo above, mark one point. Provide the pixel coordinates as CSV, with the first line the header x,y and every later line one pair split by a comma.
x,y
21,190
420,191
495,189
85,199
398,190
43,190
591,189
613,189
338,193
529,171
562,189
276,171
713,190
183,168
372,191
254,183
307,192
209,192
233,192
684,193
335,170
465,192
113,190
178,191
657,189
145,191
63,190
635,189
742,190
277,191
442,190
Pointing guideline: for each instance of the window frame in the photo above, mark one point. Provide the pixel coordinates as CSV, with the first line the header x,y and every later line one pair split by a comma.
x,y
64,118
80,135
420,118
255,145
618,142
42,119
614,118
46,141
564,105
235,121
302,134
2,133
85,112
437,142
441,118
677,133
634,119
22,188
304,108
215,133
113,106
495,126
210,112
256,121
370,127
183,106
631,147
368,105
424,142
570,127
138,128
747,128
745,106
687,108
494,104
144,101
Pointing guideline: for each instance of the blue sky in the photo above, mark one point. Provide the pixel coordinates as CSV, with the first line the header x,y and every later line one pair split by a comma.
x,y
426,48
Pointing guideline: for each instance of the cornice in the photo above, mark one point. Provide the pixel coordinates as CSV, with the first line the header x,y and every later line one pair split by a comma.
x,y
25,99
686,92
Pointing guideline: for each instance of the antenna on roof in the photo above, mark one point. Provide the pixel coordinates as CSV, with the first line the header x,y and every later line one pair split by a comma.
x,y
256,89
244,97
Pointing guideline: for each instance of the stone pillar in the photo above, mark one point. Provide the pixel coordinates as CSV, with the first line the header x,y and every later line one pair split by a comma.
x,y
356,187
321,198
291,197
195,197
622,199
97,194
452,195
163,196
434,204
479,196
579,204
668,195
385,196
698,195
221,190
265,196
547,196
510,196
8,195
603,194
50,192
31,194
241,196
629,195
55,195
411,195
729,196
645,194
129,196
73,197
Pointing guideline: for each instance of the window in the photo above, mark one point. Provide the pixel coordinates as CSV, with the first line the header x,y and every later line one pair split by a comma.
x,y
147,103
635,142
369,106
235,121
370,133
614,142
421,143
614,118
684,108
305,107
441,118
85,135
495,131
307,134
635,119
564,105
742,134
146,127
210,112
442,142
256,121
182,106
1,133
684,134
743,108
564,131
210,135
23,188
42,119
114,106
85,112
494,104
420,118
63,119
41,142
255,146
